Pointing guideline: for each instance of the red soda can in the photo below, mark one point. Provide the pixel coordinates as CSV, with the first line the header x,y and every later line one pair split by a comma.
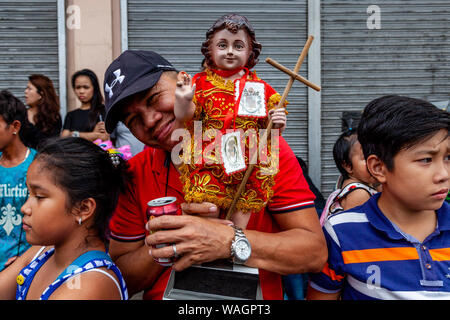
x,y
156,208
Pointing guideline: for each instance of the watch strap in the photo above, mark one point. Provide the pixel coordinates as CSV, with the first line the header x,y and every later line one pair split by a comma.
x,y
76,134
238,235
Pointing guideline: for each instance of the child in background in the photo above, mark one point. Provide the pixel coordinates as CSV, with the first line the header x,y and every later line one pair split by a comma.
x,y
87,120
356,185
397,244
228,96
15,158
74,186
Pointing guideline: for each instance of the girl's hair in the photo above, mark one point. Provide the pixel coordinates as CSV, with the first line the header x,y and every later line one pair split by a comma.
x,y
233,23
84,170
97,106
343,145
48,107
11,108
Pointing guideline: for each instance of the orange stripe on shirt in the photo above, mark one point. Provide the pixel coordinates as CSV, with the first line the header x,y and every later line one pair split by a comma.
x,y
380,254
440,254
330,272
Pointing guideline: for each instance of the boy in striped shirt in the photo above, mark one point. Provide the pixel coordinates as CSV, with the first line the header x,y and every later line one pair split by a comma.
x,y
397,244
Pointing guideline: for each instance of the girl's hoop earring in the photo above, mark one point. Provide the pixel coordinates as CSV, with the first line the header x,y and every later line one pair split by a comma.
x,y
79,221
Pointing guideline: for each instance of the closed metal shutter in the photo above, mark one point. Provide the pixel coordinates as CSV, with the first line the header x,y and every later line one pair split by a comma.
x,y
409,55
28,43
176,30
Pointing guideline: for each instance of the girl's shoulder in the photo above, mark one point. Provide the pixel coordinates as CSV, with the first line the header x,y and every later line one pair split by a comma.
x,y
28,257
353,186
350,195
95,286
35,252
100,277
355,194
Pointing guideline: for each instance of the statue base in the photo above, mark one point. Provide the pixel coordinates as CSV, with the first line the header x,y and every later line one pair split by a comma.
x,y
217,280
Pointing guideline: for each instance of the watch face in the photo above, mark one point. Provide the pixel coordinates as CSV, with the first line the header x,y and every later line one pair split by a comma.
x,y
242,250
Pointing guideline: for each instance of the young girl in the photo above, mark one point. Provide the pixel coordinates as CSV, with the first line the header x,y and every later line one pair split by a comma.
x,y
87,121
356,184
231,101
15,158
73,187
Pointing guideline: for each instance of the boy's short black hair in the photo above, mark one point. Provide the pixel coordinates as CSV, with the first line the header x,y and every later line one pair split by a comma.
x,y
392,123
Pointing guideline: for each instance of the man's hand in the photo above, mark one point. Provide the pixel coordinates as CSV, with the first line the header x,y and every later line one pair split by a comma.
x,y
198,234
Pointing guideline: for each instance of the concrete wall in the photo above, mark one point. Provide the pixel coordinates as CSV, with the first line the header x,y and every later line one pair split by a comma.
x,y
93,42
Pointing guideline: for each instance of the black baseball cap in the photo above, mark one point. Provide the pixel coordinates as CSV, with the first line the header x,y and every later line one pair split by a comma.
x,y
132,72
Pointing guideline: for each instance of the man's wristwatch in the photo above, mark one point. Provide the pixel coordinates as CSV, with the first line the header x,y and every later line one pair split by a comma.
x,y
240,247
75,134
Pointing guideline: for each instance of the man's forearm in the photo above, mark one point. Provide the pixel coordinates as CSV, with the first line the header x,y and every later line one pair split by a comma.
x,y
300,247
306,251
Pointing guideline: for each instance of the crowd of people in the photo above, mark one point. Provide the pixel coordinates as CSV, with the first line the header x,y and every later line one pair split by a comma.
x,y
74,215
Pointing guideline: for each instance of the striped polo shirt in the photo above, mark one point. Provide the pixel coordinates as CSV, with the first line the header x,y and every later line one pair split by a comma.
x,y
371,258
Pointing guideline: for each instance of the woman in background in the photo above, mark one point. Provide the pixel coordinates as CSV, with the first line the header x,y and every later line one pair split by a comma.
x,y
44,110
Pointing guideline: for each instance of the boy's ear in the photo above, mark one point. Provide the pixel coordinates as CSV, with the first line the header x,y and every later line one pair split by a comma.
x,y
85,210
377,168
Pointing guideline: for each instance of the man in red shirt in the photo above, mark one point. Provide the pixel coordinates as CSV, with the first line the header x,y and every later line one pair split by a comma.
x,y
283,238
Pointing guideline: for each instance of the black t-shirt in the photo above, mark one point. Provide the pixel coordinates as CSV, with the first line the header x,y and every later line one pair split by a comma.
x,y
78,120
33,137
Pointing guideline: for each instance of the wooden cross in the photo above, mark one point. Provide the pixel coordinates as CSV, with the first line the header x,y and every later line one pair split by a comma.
x,y
293,76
